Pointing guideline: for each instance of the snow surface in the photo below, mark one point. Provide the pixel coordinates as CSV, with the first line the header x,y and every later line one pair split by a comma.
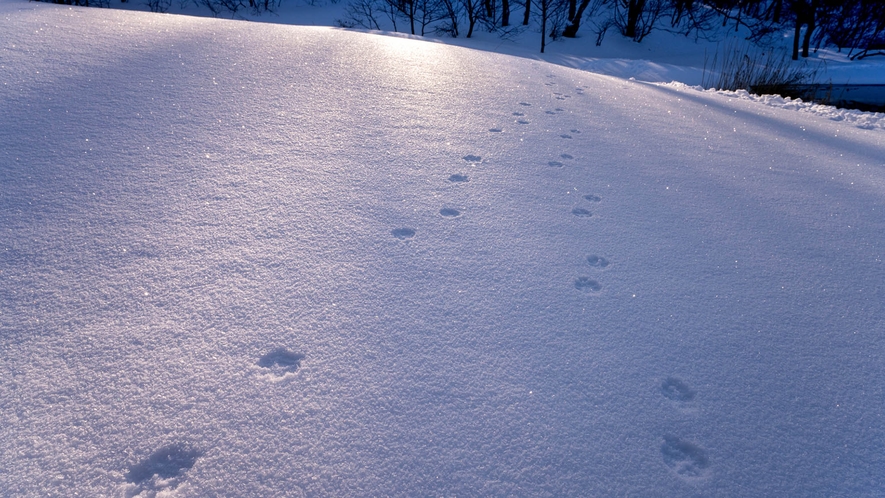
x,y
666,57
244,259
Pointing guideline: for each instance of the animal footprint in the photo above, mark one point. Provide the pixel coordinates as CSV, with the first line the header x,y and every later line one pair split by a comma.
x,y
525,104
458,178
470,158
583,213
549,112
675,389
575,131
565,135
281,362
519,114
559,109
687,459
495,130
587,284
592,198
403,233
163,470
449,212
566,156
522,121
597,261
555,164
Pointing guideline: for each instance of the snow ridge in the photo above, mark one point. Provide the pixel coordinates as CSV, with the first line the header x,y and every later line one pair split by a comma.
x,y
860,119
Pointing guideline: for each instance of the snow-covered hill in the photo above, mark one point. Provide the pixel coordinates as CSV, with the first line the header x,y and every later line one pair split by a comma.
x,y
243,259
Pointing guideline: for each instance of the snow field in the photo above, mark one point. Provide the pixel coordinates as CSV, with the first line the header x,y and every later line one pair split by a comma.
x,y
262,260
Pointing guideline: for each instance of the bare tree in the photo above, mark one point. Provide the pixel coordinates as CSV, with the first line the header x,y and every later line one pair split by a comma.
x,y
362,13
636,18
473,9
571,30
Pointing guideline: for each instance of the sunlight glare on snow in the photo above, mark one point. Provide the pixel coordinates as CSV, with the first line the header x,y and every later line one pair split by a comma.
x,y
421,59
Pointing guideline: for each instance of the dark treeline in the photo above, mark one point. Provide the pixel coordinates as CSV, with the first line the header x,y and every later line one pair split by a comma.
x,y
857,26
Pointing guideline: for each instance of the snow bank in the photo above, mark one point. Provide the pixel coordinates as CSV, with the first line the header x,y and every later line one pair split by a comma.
x,y
860,119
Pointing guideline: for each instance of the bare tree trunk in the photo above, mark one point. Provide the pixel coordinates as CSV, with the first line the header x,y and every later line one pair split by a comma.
x,y
470,7
528,10
571,30
812,24
634,10
412,6
452,14
505,13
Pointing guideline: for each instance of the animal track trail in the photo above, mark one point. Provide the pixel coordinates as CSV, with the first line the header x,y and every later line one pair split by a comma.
x,y
597,261
403,233
686,459
587,284
280,362
164,470
581,213
677,390
559,164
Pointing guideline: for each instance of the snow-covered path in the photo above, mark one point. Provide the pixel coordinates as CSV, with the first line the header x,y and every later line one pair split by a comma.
x,y
258,260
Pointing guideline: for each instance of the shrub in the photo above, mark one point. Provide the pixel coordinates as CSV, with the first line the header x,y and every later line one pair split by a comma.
x,y
737,67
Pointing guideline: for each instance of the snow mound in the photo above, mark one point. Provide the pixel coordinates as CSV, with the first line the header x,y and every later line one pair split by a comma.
x,y
860,119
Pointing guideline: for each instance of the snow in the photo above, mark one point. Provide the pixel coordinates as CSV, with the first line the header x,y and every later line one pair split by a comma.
x,y
244,259
853,117
664,57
